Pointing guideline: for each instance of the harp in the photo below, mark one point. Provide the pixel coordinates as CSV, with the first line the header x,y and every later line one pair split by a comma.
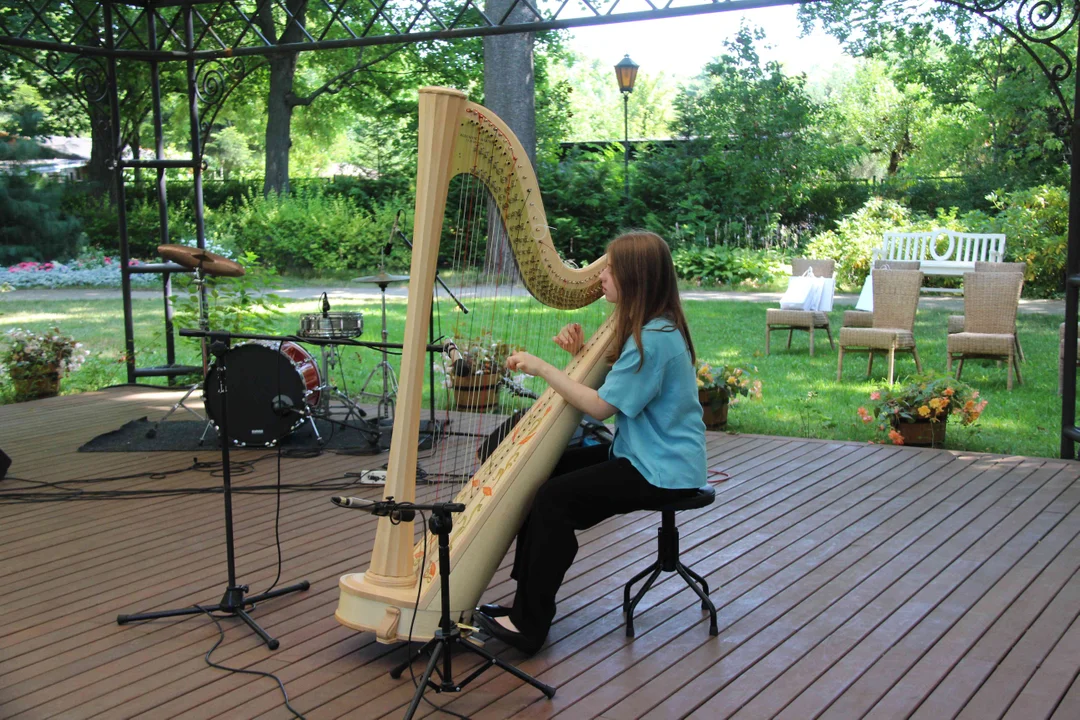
x,y
457,137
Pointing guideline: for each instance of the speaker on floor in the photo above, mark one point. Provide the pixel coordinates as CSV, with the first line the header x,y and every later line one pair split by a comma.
x,y
5,463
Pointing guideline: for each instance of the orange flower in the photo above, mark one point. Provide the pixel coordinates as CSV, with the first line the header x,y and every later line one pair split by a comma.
x,y
896,437
949,392
864,415
875,395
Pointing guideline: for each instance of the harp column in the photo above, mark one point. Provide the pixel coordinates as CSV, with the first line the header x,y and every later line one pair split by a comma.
x,y
440,108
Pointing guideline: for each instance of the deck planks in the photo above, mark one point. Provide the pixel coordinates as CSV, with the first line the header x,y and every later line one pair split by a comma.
x,y
851,581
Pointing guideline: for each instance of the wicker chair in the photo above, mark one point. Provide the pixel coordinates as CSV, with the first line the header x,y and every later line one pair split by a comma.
x,y
956,322
805,320
896,298
990,302
863,319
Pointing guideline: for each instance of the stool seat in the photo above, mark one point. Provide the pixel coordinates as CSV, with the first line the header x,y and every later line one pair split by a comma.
x,y
667,559
702,498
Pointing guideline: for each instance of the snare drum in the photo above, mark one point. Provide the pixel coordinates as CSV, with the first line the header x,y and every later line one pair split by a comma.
x,y
332,325
269,383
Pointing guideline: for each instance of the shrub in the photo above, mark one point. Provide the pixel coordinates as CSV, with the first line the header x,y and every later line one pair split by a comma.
x,y
101,224
1036,226
856,236
308,230
33,225
726,266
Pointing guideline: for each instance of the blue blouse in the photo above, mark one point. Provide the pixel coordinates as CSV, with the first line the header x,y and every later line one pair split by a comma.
x,y
658,426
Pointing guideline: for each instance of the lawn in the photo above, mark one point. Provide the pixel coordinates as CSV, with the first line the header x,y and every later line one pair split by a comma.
x,y
801,395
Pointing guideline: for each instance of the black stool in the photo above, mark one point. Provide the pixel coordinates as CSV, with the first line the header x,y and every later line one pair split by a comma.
x,y
667,560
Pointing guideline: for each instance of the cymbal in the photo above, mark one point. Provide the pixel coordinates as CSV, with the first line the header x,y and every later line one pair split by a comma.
x,y
193,257
381,279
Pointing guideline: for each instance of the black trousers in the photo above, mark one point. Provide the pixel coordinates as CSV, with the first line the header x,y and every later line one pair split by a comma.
x,y
585,488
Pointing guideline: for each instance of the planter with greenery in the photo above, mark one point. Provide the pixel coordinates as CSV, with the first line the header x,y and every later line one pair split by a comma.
x,y
720,386
915,413
37,361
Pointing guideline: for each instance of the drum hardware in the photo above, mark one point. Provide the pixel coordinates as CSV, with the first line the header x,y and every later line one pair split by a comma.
x,y
204,263
389,379
233,602
329,325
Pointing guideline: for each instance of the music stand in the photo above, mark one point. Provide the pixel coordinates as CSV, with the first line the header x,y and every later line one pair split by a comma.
x,y
449,635
233,602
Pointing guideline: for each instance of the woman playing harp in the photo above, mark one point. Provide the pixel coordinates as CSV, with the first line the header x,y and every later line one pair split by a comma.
x,y
659,451
398,596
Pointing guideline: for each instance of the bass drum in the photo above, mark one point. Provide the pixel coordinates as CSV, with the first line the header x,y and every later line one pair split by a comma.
x,y
270,383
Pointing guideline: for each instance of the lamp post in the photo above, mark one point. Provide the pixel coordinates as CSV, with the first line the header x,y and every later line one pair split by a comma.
x,y
626,73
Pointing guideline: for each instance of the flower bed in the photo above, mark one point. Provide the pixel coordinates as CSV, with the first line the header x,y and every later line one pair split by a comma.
x,y
93,271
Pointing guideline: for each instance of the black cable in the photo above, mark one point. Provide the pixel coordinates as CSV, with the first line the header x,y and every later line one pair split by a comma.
x,y
260,673
277,525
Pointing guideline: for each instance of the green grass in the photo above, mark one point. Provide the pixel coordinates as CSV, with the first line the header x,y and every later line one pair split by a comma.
x,y
1025,421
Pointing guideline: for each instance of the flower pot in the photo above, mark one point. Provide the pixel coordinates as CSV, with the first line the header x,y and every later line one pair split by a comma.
x,y
34,386
714,409
476,392
922,434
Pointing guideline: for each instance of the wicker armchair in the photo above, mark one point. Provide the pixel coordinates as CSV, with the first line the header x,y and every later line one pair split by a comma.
x,y
956,322
896,298
805,320
863,319
990,302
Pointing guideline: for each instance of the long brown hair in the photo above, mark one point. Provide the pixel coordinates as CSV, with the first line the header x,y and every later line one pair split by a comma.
x,y
644,274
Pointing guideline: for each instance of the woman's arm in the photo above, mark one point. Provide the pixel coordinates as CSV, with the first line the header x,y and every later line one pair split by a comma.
x,y
581,396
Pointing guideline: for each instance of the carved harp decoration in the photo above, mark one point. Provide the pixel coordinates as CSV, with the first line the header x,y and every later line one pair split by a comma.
x,y
459,137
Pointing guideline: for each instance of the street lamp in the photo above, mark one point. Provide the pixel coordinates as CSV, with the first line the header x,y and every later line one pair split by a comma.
x,y
626,73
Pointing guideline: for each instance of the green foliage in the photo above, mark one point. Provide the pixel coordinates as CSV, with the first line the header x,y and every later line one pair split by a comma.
x,y
724,265
100,222
240,304
584,202
308,230
856,236
1036,223
33,224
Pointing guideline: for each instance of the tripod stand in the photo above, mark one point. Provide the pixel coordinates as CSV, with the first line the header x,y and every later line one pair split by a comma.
x,y
389,379
448,635
233,601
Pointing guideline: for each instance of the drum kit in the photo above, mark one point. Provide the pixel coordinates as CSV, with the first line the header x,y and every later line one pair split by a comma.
x,y
281,383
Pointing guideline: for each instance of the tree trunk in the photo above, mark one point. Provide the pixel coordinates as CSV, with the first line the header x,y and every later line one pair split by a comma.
x,y
509,92
102,179
279,123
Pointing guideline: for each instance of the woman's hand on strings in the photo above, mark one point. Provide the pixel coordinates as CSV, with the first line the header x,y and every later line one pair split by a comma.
x,y
525,362
571,338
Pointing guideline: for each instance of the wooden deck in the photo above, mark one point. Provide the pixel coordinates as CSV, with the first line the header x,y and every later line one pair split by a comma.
x,y
851,581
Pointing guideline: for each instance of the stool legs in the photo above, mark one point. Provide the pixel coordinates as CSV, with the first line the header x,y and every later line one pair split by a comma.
x,y
667,560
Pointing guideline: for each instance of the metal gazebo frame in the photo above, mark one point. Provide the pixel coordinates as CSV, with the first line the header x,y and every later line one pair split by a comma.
x,y
82,41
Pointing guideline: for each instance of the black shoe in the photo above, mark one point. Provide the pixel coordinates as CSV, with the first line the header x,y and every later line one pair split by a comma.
x,y
513,639
493,610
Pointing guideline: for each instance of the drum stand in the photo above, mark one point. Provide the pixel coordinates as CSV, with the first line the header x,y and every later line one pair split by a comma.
x,y
327,388
389,379
204,324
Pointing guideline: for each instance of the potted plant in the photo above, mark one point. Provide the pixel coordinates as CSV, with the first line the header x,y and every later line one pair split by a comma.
x,y
915,413
720,386
475,368
35,362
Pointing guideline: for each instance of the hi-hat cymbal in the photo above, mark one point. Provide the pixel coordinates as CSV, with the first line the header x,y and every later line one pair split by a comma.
x,y
381,279
193,257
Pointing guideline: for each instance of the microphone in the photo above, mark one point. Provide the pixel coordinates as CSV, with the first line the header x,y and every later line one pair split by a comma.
x,y
325,305
382,508
283,405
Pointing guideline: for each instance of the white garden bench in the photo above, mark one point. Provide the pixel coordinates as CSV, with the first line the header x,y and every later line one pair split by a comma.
x,y
942,252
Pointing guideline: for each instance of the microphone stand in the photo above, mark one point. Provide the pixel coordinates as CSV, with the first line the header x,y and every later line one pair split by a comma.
x,y
233,601
449,634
